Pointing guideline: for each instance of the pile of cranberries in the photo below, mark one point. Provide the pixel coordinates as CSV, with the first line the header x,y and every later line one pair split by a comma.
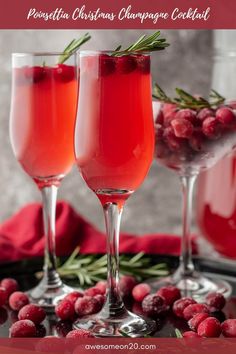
x,y
201,318
186,136
124,64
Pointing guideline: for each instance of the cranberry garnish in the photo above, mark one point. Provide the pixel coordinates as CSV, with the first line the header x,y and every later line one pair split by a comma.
x,y
169,116
102,285
100,298
170,294
93,291
229,328
193,309
168,107
187,114
126,64
64,73
65,310
63,328
209,328
205,113
196,140
190,334
159,118
196,320
18,300
79,333
10,285
181,304
73,296
143,62
215,301
87,305
210,127
32,312
3,296
127,283
140,291
40,331
174,143
225,115
154,305
159,131
23,328
35,74
182,128
107,65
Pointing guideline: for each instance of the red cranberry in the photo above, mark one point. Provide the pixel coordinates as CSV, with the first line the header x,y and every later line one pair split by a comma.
x,y
158,132
190,334
143,63
93,291
127,283
140,291
3,296
63,328
65,73
168,117
23,328
126,64
10,285
209,328
80,333
197,319
18,300
196,140
100,298
102,285
168,107
181,304
170,294
35,74
229,328
40,331
32,312
182,128
174,143
87,305
225,115
107,65
187,114
159,118
205,113
215,301
154,305
210,127
65,310
193,309
73,296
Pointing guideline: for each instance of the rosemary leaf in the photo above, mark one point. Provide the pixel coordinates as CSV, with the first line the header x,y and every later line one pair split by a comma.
x,y
72,47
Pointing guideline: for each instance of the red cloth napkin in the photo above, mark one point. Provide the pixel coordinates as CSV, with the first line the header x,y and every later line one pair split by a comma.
x,y
22,236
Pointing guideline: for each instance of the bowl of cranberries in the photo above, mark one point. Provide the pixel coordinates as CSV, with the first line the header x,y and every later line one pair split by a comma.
x,y
192,134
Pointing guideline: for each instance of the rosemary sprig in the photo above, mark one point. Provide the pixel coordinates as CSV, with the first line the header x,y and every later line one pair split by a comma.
x,y
143,44
178,333
186,100
72,47
89,269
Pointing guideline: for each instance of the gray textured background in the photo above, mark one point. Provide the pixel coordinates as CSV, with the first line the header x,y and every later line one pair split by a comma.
x,y
155,206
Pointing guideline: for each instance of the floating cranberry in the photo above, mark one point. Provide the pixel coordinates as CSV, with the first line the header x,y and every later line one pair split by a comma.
x,y
126,64
143,63
215,301
181,304
209,328
32,312
73,296
193,309
225,115
154,305
127,283
93,291
190,334
23,328
187,114
3,296
170,294
197,319
65,310
107,65
182,128
140,291
65,73
35,74
205,113
18,300
10,285
210,127
80,333
229,328
87,305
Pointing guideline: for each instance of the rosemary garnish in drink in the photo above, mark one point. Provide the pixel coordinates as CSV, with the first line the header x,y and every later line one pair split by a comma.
x,y
72,47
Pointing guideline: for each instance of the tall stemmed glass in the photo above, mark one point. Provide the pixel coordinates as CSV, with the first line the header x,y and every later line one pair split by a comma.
x,y
43,111
114,143
189,141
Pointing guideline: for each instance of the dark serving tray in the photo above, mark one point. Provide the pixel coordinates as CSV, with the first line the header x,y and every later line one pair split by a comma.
x,y
24,271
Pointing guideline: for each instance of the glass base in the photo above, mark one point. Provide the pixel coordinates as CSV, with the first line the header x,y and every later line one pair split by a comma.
x,y
48,296
129,324
194,285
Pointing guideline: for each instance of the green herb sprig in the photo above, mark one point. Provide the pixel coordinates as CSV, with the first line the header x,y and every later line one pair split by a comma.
x,y
186,100
178,333
89,269
72,47
143,44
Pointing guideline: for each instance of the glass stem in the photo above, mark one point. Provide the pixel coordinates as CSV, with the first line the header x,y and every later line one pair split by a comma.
x,y
186,266
114,303
49,198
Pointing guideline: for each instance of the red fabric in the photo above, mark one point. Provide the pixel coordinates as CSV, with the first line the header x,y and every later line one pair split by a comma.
x,y
22,236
